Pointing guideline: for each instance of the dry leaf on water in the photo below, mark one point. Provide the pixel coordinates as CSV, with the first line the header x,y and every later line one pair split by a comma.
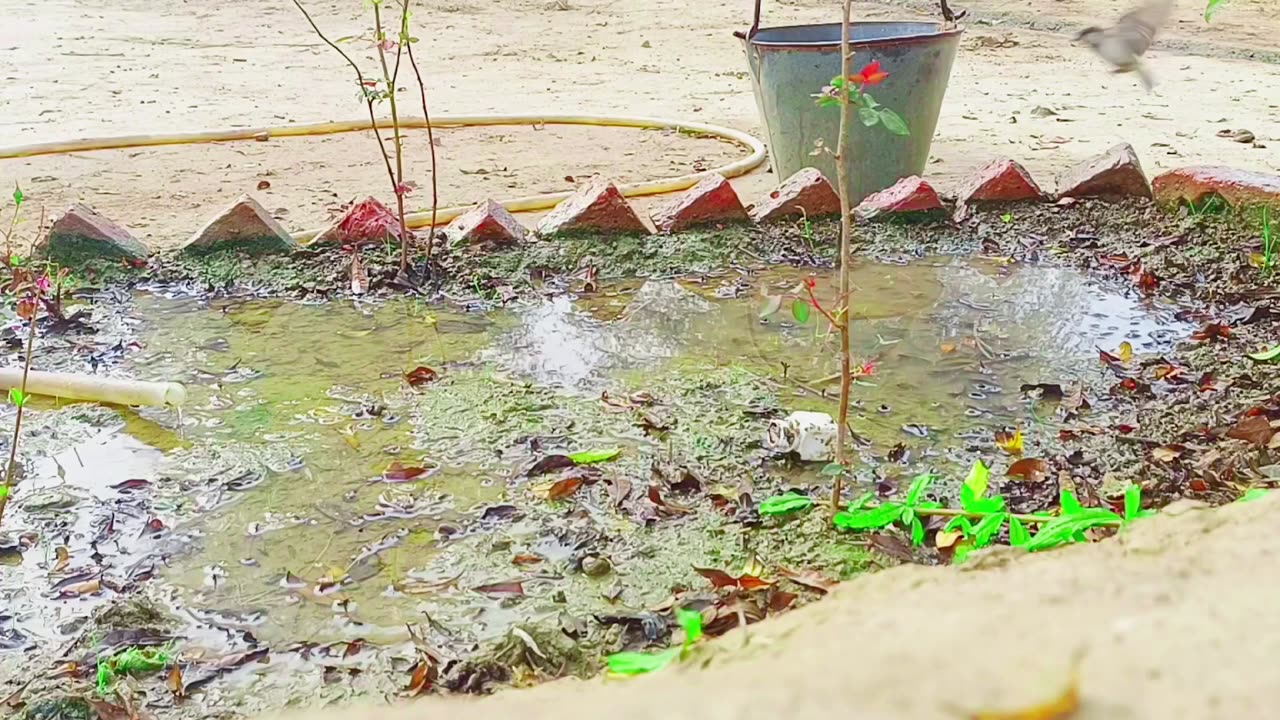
x,y
564,488
1010,441
421,376
1032,469
421,677
550,463
397,473
1168,453
510,587
64,559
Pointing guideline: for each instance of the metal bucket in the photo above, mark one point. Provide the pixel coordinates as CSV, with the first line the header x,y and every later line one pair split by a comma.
x,y
789,65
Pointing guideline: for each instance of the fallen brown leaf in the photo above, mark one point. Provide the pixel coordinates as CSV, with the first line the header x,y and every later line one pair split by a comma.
x,y
421,376
1031,469
1168,453
1255,429
809,579
174,682
510,587
564,488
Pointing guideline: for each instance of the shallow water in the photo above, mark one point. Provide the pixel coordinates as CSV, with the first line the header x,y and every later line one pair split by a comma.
x,y
293,530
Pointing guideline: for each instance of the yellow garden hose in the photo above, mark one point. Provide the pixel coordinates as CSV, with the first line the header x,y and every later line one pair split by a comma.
x,y
443,215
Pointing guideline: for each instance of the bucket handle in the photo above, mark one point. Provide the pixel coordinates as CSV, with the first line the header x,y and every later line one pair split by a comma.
x,y
755,25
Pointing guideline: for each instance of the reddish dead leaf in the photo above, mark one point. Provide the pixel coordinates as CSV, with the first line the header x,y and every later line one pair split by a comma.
x,y
751,582
550,463
1130,386
174,682
421,677
510,587
1146,280
526,559
1118,260
1031,469
1209,383
1168,373
655,497
1125,428
397,473
1168,453
780,600
1107,358
1198,485
1211,331
1255,429
809,579
131,485
264,184
421,376
353,648
718,578
564,488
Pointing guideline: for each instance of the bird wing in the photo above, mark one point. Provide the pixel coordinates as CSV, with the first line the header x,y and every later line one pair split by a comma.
x,y
1138,26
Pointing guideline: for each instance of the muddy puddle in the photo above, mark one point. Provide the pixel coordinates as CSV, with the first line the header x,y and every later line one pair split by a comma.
x,y
308,494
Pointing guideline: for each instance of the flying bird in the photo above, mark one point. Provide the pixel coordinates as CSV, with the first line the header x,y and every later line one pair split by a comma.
x,y
1123,45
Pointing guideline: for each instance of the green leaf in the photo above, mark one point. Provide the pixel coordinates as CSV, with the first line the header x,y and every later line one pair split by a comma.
x,y
917,532
962,553
1254,494
1070,528
17,397
1210,9
691,621
918,485
784,504
1018,535
1133,504
869,101
961,522
868,116
589,457
870,518
1266,355
893,122
1070,505
833,469
987,529
636,663
979,474
18,197
800,311
858,504
4,491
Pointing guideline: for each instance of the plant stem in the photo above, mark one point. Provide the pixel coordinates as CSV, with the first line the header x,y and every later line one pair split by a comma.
x,y
842,311
17,423
390,79
431,141
364,89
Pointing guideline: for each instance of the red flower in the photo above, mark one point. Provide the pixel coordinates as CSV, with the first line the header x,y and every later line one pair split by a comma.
x,y
811,282
871,74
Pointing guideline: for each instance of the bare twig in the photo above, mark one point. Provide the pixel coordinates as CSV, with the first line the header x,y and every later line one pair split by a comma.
x,y
431,143
17,423
842,311
390,78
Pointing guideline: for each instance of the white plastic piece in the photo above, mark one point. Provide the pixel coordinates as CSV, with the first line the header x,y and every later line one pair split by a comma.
x,y
811,435
95,388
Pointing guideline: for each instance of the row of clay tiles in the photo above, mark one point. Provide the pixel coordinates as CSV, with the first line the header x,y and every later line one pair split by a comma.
x,y
599,206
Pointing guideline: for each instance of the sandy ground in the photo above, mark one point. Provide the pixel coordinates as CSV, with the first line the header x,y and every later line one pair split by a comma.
x,y
75,68
1174,619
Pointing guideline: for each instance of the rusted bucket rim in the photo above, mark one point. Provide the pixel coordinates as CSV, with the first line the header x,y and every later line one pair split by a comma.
x,y
909,38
